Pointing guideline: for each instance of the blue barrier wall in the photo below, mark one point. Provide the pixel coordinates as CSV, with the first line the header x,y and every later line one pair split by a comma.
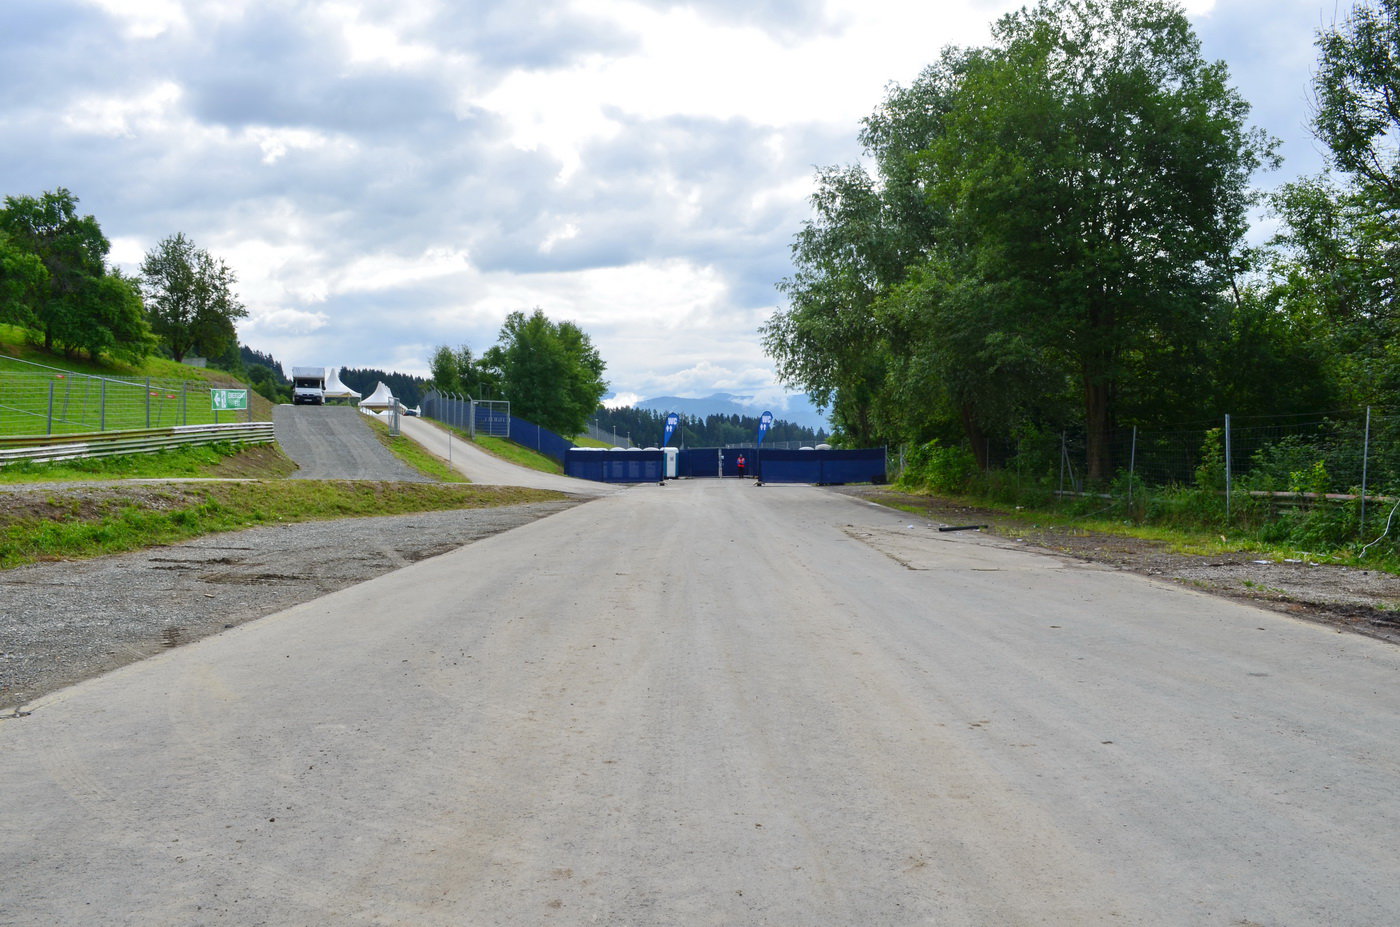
x,y
866,465
543,440
863,465
614,466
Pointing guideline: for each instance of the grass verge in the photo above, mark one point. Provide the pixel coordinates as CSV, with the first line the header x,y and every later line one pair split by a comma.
x,y
1203,541
40,525
414,455
260,461
508,450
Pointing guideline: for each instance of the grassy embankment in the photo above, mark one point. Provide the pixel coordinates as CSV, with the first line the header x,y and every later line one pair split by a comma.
x,y
95,521
28,402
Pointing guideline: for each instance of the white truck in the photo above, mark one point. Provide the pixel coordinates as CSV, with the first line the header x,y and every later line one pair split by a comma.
x,y
308,386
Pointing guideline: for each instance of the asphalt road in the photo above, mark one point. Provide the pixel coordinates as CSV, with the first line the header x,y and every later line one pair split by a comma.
x,y
481,467
709,703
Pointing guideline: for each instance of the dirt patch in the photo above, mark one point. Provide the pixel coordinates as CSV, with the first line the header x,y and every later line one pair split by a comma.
x,y
25,505
1366,601
259,462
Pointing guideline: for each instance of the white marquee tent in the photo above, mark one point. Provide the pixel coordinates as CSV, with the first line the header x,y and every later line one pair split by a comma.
x,y
337,390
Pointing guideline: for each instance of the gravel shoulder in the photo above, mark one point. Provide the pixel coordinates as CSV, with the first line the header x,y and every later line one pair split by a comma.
x,y
67,621
1364,601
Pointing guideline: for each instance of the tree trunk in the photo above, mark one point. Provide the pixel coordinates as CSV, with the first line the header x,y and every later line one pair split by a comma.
x,y
1098,423
975,435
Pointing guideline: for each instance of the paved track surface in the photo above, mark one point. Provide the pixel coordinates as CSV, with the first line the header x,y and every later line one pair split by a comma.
x,y
714,704
481,467
335,443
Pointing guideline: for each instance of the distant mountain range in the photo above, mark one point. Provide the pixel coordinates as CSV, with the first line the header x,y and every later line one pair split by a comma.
x,y
799,411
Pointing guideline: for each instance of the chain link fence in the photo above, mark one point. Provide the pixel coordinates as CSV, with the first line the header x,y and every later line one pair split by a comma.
x,y
36,400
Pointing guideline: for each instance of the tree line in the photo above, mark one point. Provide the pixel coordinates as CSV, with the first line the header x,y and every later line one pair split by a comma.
x,y
646,427
55,282
1051,235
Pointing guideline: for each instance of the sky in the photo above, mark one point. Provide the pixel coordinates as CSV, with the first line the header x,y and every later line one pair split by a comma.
x,y
386,177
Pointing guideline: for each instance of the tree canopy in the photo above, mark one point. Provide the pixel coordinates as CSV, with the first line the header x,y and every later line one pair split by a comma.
x,y
190,299
54,279
1056,221
550,371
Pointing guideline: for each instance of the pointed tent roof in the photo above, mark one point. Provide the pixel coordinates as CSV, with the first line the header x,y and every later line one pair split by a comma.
x,y
381,398
336,389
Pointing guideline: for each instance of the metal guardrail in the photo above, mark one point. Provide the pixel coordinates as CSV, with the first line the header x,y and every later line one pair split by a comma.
x,y
144,441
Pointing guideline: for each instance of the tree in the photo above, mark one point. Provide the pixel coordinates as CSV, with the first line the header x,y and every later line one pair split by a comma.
x,y
190,298
1357,94
23,278
826,342
1097,171
72,250
550,371
115,320
457,371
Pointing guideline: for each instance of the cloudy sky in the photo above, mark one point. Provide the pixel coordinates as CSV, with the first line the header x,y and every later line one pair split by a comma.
x,y
389,176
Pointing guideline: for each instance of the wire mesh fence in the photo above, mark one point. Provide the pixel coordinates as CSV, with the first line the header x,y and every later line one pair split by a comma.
x,y
60,402
1319,454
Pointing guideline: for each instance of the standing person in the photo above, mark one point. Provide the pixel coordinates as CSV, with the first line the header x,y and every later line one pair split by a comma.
x,y
741,466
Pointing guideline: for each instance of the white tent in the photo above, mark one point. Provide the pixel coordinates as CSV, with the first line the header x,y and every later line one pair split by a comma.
x,y
380,399
336,389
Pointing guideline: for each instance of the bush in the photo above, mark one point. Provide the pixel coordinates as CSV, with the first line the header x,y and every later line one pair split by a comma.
x,y
934,468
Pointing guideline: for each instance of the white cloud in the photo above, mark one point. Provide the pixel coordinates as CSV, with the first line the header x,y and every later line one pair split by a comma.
x,y
144,19
637,167
123,115
275,322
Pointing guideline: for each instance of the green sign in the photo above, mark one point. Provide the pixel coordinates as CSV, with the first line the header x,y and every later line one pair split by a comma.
x,y
228,400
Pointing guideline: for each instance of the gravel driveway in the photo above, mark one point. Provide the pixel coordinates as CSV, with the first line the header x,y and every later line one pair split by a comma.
x,y
63,622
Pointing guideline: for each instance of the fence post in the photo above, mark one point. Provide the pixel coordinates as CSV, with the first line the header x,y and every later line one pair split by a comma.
x,y
148,403
1062,464
1227,465
1132,467
102,407
185,402
49,429
1365,459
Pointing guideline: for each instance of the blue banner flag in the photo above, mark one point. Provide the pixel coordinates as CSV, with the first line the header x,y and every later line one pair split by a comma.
x,y
764,422
672,421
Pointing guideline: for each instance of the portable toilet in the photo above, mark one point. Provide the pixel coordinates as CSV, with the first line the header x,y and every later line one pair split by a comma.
x,y
670,462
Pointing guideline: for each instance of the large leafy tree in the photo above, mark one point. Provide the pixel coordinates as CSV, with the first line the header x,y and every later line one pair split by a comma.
x,y
1357,89
550,371
115,320
22,281
73,252
190,298
1338,253
1097,171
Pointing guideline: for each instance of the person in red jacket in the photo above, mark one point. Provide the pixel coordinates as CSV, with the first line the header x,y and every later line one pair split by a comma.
x,y
741,466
